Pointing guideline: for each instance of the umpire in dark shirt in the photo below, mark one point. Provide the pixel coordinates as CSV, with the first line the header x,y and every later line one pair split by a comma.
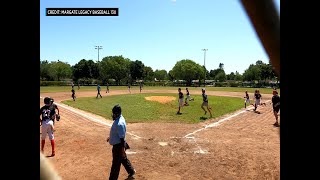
x,y
117,140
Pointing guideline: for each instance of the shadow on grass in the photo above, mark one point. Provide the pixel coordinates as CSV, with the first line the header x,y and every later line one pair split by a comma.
x,y
203,118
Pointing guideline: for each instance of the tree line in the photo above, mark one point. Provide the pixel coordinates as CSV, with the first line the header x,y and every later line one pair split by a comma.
x,y
122,70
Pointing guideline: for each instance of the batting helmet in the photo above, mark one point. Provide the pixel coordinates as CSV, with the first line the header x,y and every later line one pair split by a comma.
x,y
47,100
116,111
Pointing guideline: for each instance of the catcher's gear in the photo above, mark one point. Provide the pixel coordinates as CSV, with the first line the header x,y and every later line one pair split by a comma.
x,y
47,100
58,117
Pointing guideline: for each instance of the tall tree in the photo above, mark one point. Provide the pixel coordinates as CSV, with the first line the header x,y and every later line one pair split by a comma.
x,y
187,70
252,73
231,76
160,74
238,76
170,76
44,70
59,70
116,67
136,69
86,69
148,73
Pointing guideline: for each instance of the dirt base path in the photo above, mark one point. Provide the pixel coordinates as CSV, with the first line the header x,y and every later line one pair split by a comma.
x,y
243,146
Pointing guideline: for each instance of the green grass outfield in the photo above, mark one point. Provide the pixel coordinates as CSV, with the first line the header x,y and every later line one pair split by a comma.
x,y
48,89
136,108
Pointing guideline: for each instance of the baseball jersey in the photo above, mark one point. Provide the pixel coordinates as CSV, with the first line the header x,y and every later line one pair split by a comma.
x,y
47,112
276,101
247,96
180,95
204,97
257,95
98,88
188,93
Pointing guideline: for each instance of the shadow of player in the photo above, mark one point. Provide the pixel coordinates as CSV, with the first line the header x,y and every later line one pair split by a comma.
x,y
203,118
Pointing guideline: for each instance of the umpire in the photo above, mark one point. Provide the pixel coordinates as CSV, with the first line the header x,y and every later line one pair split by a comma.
x,y
117,140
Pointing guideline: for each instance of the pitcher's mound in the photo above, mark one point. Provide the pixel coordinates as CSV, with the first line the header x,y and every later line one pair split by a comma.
x,y
160,99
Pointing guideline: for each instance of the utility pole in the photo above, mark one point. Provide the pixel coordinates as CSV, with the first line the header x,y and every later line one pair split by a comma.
x,y
205,70
98,47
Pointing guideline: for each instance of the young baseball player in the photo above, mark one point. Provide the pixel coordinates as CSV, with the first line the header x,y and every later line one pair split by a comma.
x,y
257,97
247,99
47,113
129,88
180,95
98,89
140,87
73,94
55,107
107,88
205,102
188,98
276,106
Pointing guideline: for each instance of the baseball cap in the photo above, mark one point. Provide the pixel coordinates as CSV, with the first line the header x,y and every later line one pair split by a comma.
x,y
203,89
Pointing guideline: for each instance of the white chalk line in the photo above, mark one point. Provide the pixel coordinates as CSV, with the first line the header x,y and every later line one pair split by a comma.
x,y
215,124
90,118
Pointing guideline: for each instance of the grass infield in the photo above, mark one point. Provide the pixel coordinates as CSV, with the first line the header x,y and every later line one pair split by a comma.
x,y
136,108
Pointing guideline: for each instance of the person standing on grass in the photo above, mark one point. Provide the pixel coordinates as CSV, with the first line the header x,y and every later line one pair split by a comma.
x,y
107,88
140,86
205,102
188,98
276,106
129,88
98,89
180,101
73,94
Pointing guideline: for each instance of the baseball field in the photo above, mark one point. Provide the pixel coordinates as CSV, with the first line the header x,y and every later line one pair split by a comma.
x,y
236,143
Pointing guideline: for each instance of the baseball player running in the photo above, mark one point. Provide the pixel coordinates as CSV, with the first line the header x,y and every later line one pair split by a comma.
x,y
180,100
129,88
98,89
247,101
46,121
257,97
140,86
205,102
73,94
55,107
107,88
188,98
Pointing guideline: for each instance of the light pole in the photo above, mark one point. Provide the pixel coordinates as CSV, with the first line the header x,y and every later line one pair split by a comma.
x,y
98,47
205,71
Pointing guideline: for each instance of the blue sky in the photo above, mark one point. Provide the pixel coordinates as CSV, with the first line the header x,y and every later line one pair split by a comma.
x,y
157,32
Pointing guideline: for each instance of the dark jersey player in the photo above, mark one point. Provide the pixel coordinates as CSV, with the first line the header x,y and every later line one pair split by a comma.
x,y
276,106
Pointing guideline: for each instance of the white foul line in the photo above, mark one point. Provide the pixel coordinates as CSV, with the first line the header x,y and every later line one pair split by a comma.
x,y
91,118
220,121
